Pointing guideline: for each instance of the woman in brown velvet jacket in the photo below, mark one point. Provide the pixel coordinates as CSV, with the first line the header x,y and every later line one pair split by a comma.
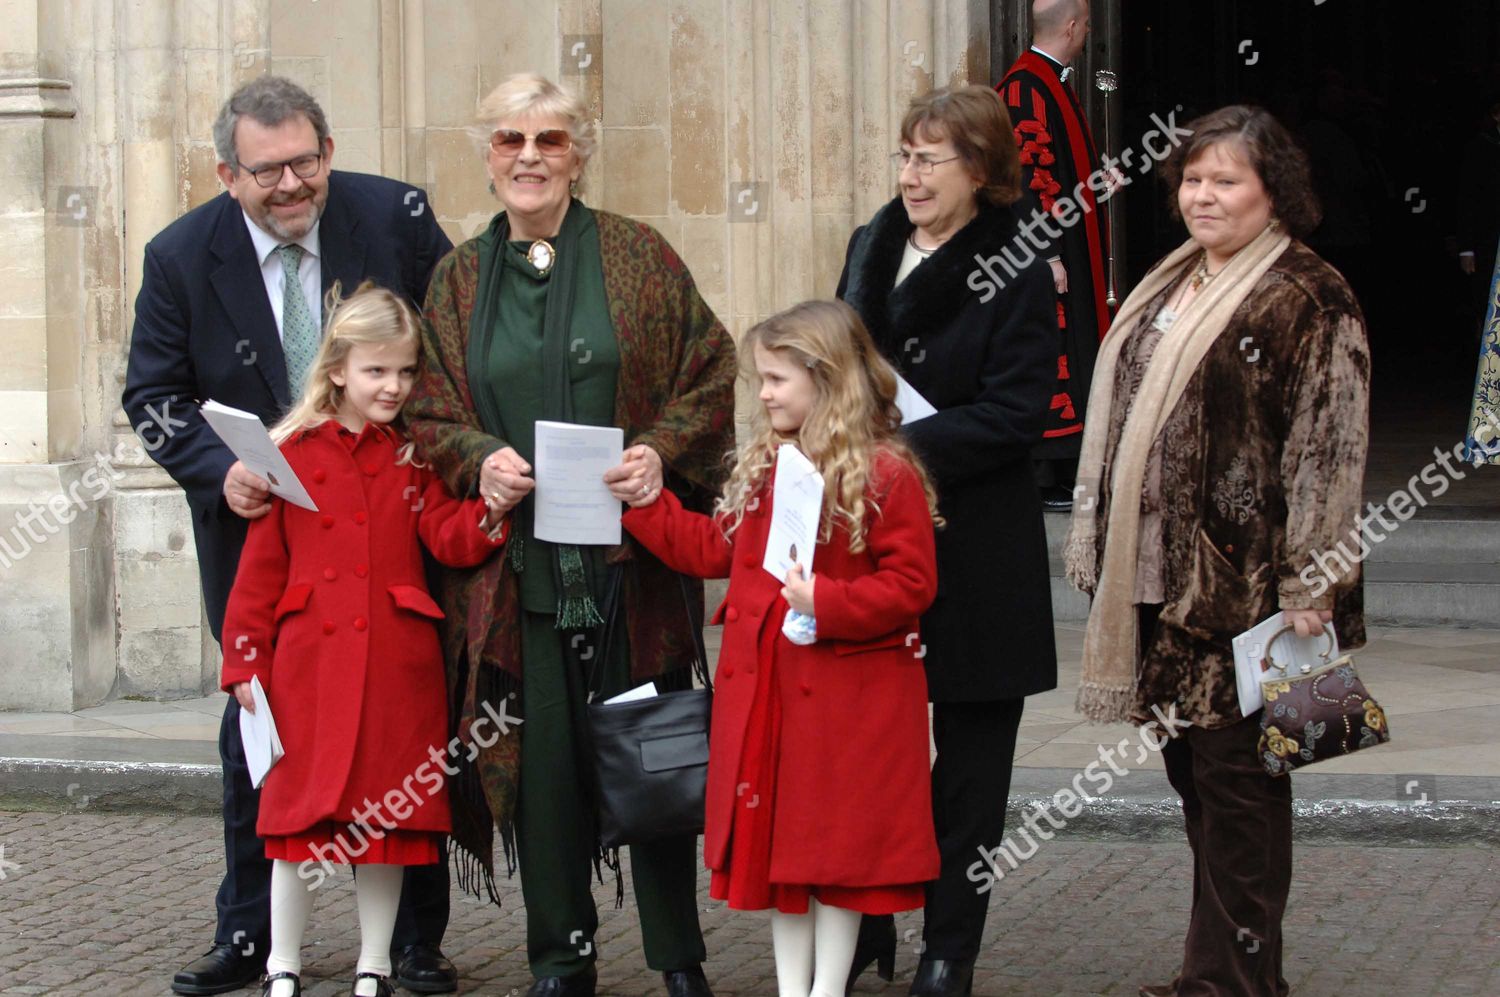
x,y
1236,378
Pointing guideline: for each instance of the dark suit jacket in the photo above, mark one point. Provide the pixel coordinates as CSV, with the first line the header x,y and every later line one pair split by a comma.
x,y
986,358
204,329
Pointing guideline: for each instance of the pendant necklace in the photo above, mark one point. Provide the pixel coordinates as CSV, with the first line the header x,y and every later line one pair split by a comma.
x,y
1201,275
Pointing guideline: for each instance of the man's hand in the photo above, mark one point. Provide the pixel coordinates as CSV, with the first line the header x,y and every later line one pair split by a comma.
x,y
798,592
1307,622
1059,276
504,480
637,478
242,693
248,494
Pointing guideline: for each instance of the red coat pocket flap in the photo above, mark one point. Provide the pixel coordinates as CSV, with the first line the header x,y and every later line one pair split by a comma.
x,y
293,599
419,602
894,639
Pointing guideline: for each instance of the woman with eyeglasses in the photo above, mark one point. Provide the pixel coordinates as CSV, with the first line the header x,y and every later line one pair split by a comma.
x,y
560,312
958,300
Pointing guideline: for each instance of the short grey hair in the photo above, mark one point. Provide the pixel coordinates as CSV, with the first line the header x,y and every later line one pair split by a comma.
x,y
269,100
531,94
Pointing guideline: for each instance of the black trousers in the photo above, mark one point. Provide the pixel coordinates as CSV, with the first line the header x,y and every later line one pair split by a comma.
x,y
244,898
976,744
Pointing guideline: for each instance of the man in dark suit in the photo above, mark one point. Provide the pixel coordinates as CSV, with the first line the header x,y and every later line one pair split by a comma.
x,y
229,309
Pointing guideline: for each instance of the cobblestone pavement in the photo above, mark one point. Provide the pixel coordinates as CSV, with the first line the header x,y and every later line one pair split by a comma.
x,y
113,904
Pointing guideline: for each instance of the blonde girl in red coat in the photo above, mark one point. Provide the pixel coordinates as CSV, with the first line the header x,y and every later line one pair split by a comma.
x,y
819,801
331,612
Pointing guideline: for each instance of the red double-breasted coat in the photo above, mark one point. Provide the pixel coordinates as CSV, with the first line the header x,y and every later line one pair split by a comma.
x,y
853,804
331,610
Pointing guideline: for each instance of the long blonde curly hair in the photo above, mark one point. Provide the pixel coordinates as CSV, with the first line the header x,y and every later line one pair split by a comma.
x,y
854,417
371,316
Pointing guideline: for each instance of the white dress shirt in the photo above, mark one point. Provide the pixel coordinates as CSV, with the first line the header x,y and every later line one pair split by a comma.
x,y
311,273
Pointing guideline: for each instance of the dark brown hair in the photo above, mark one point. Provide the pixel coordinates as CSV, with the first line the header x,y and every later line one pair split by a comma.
x,y
977,123
1272,153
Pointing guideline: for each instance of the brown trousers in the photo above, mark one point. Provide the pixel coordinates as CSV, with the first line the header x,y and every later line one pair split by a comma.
x,y
1239,826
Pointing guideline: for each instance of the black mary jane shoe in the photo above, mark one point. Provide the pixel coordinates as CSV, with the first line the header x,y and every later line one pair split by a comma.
x,y
265,984
943,978
423,969
877,944
383,986
221,969
689,982
581,984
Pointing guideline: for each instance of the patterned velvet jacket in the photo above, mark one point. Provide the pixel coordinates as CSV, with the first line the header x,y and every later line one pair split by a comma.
x,y
675,393
1262,472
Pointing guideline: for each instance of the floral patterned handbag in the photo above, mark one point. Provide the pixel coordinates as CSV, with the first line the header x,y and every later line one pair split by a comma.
x,y
1315,712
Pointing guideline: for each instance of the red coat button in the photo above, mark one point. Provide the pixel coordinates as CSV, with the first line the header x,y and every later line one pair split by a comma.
x,y
806,689
329,574
361,570
727,671
320,475
327,521
372,469
731,614
750,561
361,624
360,518
328,627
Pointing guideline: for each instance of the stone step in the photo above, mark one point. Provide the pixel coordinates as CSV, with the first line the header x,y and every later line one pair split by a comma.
x,y
1440,568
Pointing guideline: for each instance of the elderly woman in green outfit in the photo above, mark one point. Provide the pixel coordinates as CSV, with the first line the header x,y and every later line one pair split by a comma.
x,y
563,313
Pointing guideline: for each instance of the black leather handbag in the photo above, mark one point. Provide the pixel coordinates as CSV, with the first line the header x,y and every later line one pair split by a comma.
x,y
651,755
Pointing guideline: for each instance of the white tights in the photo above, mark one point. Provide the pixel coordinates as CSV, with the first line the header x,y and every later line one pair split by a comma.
x,y
792,937
377,891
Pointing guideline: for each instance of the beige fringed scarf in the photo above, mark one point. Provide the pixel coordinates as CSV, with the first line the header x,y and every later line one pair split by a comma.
x,y
1111,648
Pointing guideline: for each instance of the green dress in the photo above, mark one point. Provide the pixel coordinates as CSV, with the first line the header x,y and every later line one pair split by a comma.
x,y
555,850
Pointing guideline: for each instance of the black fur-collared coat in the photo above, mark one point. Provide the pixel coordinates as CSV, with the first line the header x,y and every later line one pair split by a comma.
x,y
983,352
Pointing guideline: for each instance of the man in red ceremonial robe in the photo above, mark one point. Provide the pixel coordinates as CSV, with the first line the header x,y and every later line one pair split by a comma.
x,y
1058,156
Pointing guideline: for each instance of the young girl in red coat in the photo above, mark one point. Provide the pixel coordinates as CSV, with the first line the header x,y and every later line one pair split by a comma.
x,y
819,804
330,610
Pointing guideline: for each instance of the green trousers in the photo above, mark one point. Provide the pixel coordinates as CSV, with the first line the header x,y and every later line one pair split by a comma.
x,y
555,851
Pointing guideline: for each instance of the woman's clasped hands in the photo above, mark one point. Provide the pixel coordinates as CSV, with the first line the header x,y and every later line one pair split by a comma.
x,y
637,479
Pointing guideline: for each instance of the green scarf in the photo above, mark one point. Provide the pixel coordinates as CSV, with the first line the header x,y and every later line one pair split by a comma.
x,y
575,609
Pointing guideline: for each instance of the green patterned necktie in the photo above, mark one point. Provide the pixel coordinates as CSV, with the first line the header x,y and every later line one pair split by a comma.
x,y
299,332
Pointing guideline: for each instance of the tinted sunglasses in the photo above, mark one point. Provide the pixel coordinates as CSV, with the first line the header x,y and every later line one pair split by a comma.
x,y
552,142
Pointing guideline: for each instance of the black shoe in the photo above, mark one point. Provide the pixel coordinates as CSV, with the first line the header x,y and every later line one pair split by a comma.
x,y
578,985
383,986
1057,498
877,944
688,982
222,969
422,969
265,984
943,978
